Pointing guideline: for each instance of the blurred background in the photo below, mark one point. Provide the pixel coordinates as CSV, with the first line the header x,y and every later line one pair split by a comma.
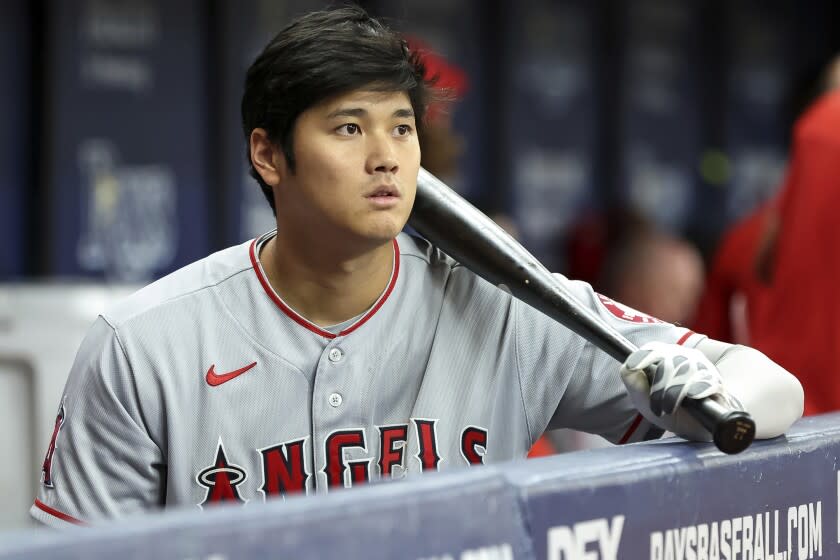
x,y
122,157
578,124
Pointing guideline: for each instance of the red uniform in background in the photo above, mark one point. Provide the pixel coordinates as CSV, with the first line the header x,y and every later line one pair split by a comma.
x,y
800,324
732,299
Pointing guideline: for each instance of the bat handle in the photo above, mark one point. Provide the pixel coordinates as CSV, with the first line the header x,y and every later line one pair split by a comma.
x,y
732,430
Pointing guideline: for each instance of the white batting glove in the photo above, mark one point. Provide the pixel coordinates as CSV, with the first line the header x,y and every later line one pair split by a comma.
x,y
659,376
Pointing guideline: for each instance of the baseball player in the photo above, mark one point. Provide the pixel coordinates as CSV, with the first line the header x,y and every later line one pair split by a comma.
x,y
336,349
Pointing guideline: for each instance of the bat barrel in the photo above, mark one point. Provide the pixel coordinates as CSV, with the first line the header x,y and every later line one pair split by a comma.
x,y
478,243
470,237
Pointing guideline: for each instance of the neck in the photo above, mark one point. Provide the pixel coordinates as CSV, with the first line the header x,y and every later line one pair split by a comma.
x,y
326,283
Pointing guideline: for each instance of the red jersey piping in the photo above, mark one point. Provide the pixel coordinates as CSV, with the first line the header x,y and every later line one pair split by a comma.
x,y
638,419
631,429
685,337
55,513
302,321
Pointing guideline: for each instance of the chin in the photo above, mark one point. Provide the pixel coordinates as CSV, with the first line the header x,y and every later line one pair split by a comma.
x,y
383,235
384,230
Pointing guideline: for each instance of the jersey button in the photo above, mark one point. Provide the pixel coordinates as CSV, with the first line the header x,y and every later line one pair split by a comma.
x,y
335,355
335,400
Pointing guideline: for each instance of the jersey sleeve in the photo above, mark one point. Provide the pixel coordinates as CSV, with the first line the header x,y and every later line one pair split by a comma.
x,y
101,461
567,382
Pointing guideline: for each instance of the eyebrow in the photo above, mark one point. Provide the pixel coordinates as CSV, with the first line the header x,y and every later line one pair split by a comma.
x,y
359,112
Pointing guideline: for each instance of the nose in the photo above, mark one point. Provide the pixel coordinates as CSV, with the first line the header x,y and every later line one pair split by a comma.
x,y
382,157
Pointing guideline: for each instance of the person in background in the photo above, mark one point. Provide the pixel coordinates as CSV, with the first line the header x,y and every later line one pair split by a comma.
x,y
736,284
441,144
740,270
626,258
656,273
799,323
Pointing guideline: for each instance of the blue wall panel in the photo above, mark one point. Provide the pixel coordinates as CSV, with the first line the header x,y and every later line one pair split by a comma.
x,y
127,148
15,139
660,120
762,69
551,119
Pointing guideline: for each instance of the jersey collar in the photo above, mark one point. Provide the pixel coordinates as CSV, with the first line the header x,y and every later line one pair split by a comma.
x,y
257,243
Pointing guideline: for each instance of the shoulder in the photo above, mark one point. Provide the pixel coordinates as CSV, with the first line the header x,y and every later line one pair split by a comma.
x,y
420,257
191,281
415,250
428,271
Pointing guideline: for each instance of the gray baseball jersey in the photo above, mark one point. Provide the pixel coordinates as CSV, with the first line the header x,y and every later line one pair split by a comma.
x,y
206,387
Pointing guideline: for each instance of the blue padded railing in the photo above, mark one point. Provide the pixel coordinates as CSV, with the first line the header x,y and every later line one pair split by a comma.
x,y
663,500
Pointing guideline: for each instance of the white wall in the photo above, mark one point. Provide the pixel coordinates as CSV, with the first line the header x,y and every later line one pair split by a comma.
x,y
41,327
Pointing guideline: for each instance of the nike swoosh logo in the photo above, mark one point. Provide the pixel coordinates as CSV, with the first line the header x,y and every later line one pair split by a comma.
x,y
214,379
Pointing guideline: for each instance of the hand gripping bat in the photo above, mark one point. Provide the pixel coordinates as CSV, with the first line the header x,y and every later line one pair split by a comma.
x,y
471,238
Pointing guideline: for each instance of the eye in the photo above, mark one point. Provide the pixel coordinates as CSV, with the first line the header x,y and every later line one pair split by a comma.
x,y
348,129
403,130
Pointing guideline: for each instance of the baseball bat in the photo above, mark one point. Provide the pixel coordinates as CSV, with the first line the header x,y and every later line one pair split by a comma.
x,y
467,235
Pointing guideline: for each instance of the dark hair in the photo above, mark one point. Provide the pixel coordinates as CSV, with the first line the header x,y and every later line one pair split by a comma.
x,y
318,56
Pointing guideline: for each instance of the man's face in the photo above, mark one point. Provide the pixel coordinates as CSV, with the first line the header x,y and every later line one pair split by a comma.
x,y
356,163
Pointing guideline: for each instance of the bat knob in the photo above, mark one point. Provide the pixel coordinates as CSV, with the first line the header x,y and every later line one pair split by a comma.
x,y
734,432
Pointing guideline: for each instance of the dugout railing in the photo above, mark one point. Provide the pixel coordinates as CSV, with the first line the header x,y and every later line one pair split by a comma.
x,y
668,499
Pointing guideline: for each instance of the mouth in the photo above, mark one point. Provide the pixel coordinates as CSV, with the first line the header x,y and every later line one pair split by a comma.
x,y
384,192
384,197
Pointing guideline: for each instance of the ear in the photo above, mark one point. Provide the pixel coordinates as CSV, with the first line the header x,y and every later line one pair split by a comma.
x,y
267,158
